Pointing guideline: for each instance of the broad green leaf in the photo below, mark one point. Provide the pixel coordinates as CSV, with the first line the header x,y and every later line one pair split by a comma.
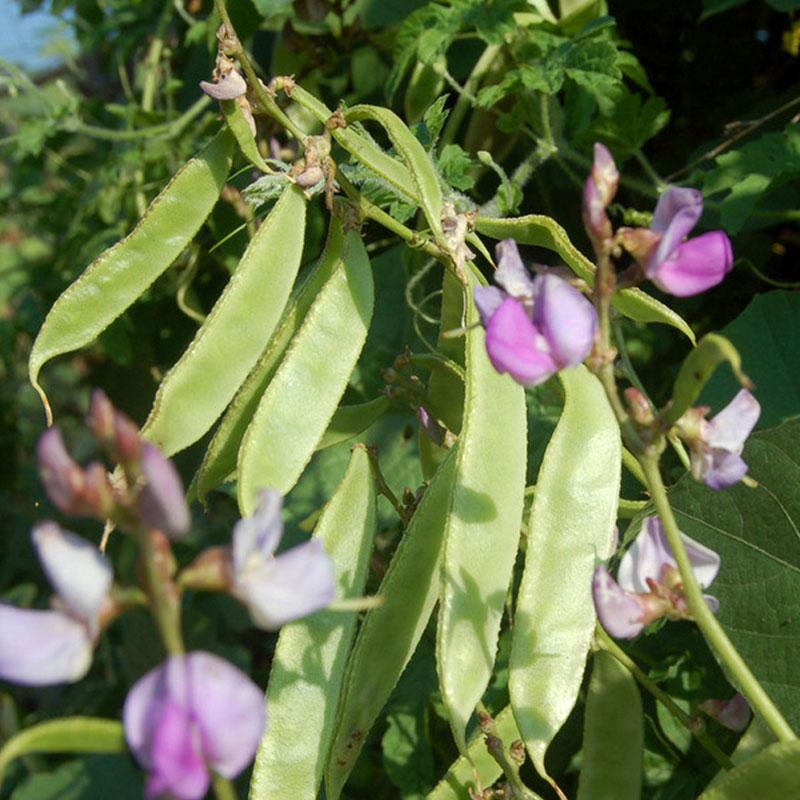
x,y
773,773
66,735
390,633
613,734
767,336
571,528
219,462
114,280
544,231
304,393
422,171
89,778
198,388
757,534
240,128
310,657
483,529
349,421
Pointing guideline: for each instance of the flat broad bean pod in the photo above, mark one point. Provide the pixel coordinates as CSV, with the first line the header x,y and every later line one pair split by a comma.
x,y
219,462
543,231
303,395
613,734
571,527
199,387
350,421
310,657
483,528
390,633
240,128
120,275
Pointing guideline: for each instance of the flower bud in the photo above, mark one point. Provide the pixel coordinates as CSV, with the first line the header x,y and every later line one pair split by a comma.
x,y
101,417
63,479
161,501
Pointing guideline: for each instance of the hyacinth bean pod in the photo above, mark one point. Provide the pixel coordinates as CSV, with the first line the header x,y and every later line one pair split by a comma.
x,y
483,529
120,275
198,388
240,128
219,463
571,527
613,734
390,633
66,735
350,421
543,231
302,397
310,657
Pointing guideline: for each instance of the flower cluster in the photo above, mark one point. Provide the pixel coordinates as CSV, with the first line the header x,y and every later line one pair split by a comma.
x,y
534,326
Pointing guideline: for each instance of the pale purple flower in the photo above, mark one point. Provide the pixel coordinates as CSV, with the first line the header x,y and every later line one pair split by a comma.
x,y
534,326
734,714
278,589
648,584
716,445
598,192
40,648
161,501
685,268
191,714
229,87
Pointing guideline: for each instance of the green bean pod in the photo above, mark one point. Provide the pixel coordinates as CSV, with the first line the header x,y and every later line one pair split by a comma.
x,y
116,278
309,662
219,463
304,393
483,529
571,527
613,734
350,421
240,128
390,633
544,231
198,388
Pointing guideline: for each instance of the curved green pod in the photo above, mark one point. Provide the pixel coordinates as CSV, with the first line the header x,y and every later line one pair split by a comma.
x,y
219,462
613,734
571,528
483,529
198,388
116,278
304,393
240,128
543,231
390,633
310,657
350,421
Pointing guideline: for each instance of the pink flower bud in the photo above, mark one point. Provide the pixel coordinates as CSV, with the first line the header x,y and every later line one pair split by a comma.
x,y
63,479
161,501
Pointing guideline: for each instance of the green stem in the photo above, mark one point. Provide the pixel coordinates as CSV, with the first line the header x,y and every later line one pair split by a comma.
x,y
714,633
154,57
223,788
628,509
649,169
608,644
631,463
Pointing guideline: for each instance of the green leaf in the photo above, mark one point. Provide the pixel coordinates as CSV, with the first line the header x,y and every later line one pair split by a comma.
x,y
571,528
349,421
483,529
304,393
456,166
67,735
310,657
390,633
85,779
234,333
775,772
114,280
613,734
757,534
544,231
767,336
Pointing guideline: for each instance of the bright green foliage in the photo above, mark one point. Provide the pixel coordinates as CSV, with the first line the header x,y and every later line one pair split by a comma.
x,y
310,657
571,527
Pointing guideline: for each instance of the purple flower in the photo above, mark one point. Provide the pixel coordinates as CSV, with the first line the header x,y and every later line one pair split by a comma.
x,y
598,192
716,444
278,589
40,648
161,501
228,87
679,267
648,584
536,326
734,714
191,714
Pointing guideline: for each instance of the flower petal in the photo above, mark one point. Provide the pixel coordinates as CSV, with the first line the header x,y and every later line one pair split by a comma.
x,y
722,469
620,612
41,648
566,319
730,428
260,533
231,86
676,213
705,562
693,266
487,301
229,710
645,558
293,585
61,476
161,501
515,346
511,274
735,714
76,569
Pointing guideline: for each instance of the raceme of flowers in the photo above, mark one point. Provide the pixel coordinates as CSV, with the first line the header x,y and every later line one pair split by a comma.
x,y
534,326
